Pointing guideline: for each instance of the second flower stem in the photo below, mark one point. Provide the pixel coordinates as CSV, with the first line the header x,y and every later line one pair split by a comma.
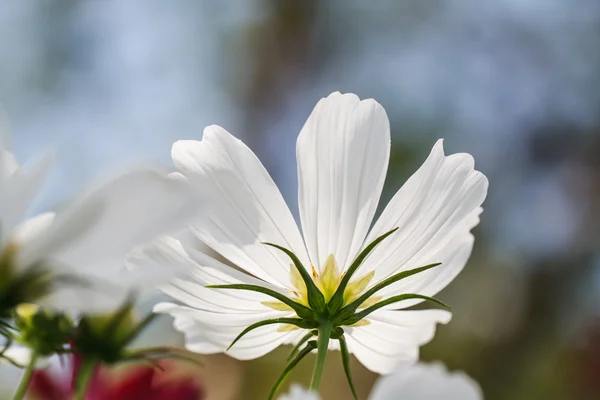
x,y
322,349
84,378
22,389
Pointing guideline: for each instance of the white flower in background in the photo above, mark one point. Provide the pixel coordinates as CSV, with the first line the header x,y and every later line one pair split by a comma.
x,y
420,382
298,393
342,281
70,260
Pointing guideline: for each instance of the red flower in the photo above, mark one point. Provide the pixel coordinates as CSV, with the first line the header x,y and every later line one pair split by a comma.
x,y
135,383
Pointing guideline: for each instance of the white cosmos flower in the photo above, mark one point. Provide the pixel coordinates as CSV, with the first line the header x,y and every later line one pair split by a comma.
x,y
419,382
342,154
70,259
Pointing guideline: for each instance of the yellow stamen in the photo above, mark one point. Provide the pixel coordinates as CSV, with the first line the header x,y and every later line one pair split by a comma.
x,y
362,322
287,328
26,310
277,305
370,301
329,280
355,288
301,292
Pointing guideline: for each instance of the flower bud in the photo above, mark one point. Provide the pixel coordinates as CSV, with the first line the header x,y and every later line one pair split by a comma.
x,y
105,336
43,331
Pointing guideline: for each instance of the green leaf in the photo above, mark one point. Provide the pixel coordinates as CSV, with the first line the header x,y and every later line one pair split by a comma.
x,y
315,297
302,311
119,324
346,362
143,359
304,339
395,299
300,323
303,353
337,300
352,307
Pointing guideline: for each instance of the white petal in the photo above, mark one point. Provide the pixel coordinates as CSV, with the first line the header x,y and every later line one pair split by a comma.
x,y
434,211
8,164
8,161
164,258
220,329
194,270
299,393
18,191
343,152
426,382
455,255
195,336
219,314
393,338
246,206
91,237
101,226
28,234
32,228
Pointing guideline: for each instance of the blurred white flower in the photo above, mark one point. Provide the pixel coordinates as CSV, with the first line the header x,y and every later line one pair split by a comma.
x,y
419,382
298,393
341,278
70,260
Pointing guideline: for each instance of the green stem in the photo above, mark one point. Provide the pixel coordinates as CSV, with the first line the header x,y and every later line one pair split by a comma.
x,y
84,378
323,346
22,389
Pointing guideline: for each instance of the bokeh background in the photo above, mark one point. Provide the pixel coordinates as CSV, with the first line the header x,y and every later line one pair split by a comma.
x,y
516,83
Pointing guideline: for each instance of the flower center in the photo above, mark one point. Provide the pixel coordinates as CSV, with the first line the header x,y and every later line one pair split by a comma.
x,y
327,281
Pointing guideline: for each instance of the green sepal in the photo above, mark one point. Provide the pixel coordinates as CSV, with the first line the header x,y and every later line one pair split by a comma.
x,y
84,377
316,300
360,315
351,308
302,311
299,322
152,354
120,324
144,359
304,339
346,362
139,328
310,346
105,337
31,285
337,300
26,287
